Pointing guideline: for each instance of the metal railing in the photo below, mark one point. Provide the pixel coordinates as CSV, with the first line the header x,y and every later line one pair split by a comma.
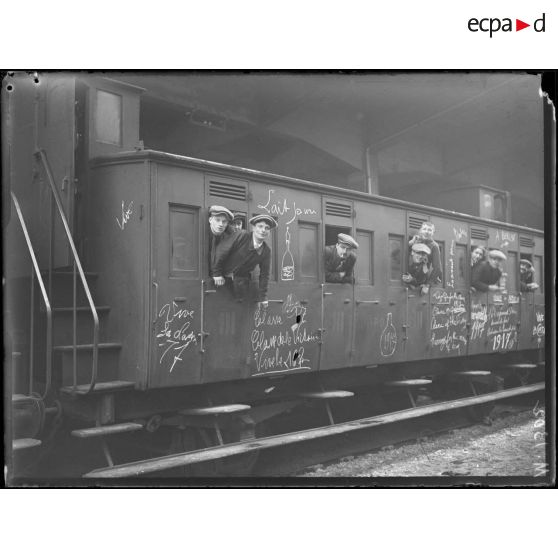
x,y
36,271
76,265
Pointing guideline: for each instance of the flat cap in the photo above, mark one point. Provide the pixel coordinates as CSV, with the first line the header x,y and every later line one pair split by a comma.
x,y
526,262
348,240
238,217
221,210
419,247
267,218
497,254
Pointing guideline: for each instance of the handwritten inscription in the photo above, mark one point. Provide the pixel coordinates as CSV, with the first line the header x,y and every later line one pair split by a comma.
x,y
279,338
505,238
283,207
502,327
448,323
460,233
126,215
538,328
479,318
175,335
451,280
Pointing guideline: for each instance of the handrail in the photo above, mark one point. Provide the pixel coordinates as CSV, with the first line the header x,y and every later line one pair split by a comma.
x,y
45,299
77,263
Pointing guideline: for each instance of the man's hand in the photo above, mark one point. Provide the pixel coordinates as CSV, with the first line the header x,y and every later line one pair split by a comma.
x,y
493,288
407,277
424,289
532,286
219,281
263,304
342,274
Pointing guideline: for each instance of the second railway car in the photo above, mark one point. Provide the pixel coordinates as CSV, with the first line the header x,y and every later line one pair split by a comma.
x,y
130,337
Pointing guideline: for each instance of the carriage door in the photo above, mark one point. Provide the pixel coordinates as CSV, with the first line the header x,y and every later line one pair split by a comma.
x,y
369,287
177,200
537,323
225,319
478,309
503,306
415,304
338,298
449,299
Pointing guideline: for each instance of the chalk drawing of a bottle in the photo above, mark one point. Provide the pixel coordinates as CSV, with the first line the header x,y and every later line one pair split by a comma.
x,y
388,339
287,263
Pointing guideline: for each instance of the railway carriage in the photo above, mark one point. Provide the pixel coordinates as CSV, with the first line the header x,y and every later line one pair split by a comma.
x,y
176,364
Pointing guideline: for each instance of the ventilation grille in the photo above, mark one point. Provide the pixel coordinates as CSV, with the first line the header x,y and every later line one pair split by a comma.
x,y
338,209
226,190
479,234
416,222
526,242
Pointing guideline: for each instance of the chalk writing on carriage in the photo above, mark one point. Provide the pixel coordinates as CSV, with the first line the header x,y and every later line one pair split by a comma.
x,y
126,215
280,338
175,335
448,323
502,327
283,207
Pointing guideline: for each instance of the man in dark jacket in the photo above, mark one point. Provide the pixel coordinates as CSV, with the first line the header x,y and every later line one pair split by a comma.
x,y
426,236
419,272
339,260
486,275
221,239
527,276
248,251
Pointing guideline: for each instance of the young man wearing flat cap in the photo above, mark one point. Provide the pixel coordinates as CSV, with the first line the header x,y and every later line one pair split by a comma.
x,y
486,275
339,260
221,239
419,272
527,276
426,236
248,251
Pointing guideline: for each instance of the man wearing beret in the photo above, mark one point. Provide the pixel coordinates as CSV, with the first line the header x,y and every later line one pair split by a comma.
x,y
339,260
486,275
221,239
527,276
419,272
248,251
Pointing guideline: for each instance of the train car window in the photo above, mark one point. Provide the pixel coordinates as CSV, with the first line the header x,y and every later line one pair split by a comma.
x,y
365,261
108,118
461,266
308,253
396,256
512,270
184,241
539,272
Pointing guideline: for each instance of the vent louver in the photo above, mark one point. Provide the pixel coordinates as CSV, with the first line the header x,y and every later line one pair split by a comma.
x,y
416,222
338,209
226,190
479,234
526,242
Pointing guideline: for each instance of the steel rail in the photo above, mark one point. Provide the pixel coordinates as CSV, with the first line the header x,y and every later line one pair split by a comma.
x,y
77,263
219,452
45,299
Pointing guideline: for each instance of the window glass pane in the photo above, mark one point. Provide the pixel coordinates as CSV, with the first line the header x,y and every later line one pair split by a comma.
x,y
184,241
364,271
307,251
108,118
539,273
396,256
512,270
461,266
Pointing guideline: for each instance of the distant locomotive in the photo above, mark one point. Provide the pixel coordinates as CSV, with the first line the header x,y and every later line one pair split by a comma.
x,y
171,347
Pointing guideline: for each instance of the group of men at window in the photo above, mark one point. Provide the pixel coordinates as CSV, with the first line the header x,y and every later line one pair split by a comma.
x,y
234,253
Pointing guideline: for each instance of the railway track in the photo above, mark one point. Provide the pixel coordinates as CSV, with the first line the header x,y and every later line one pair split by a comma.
x,y
285,454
